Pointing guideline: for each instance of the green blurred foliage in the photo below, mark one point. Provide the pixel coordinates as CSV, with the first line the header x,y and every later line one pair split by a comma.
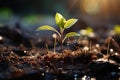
x,y
5,13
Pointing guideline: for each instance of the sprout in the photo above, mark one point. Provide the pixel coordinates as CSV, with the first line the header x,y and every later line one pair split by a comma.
x,y
62,24
117,29
87,32
108,46
86,48
54,36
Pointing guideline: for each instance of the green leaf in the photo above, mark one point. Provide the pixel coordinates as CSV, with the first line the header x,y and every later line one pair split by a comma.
x,y
70,34
60,20
69,23
46,27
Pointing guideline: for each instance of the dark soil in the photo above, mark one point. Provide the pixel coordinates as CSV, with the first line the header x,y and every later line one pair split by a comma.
x,y
24,58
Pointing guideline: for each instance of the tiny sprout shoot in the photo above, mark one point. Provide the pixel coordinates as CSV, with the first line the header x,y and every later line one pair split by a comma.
x,y
90,46
109,39
62,24
108,47
86,48
47,47
54,36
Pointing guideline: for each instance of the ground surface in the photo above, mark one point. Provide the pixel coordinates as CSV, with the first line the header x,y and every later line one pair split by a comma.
x,y
26,58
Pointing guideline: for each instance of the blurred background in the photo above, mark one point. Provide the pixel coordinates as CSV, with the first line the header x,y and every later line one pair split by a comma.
x,y
33,13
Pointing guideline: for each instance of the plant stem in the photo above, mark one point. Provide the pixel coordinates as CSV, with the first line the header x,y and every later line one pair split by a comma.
x,y
61,31
61,43
108,45
47,47
54,45
90,46
109,39
62,48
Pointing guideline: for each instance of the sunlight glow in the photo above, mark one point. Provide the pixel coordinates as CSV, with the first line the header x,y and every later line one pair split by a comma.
x,y
91,6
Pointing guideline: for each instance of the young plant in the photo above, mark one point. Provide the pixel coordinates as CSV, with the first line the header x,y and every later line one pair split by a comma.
x,y
87,32
54,36
117,29
62,24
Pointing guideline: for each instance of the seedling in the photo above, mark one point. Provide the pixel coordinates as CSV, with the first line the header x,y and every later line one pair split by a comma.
x,y
87,32
54,36
117,29
108,46
86,48
62,24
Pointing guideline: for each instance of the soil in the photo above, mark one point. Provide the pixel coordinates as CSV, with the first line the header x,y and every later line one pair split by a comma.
x,y
26,58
